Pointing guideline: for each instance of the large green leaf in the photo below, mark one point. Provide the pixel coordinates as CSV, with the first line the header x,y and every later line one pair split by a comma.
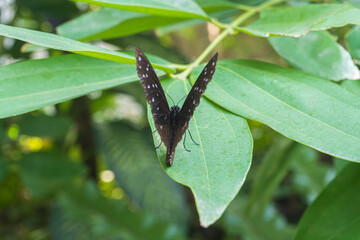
x,y
182,9
46,173
110,23
310,110
130,154
108,218
45,126
335,214
298,20
49,40
353,41
215,170
317,53
33,84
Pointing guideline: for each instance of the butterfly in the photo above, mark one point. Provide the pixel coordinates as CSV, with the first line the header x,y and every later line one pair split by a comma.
x,y
171,123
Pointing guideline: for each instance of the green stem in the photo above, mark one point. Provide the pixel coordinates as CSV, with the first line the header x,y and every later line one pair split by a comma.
x,y
228,31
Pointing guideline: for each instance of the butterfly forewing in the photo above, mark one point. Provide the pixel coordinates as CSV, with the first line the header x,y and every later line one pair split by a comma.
x,y
154,94
193,98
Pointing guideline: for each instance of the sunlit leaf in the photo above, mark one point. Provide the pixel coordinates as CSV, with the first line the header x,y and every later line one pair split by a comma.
x,y
298,20
317,53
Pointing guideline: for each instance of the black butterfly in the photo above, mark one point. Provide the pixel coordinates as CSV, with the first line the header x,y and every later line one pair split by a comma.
x,y
171,123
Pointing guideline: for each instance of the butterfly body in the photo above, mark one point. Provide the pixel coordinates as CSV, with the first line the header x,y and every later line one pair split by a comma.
x,y
171,123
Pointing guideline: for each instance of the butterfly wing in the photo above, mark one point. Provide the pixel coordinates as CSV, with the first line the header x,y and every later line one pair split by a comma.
x,y
155,95
192,101
193,98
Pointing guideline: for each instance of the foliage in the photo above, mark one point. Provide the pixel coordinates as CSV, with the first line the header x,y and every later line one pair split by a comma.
x,y
78,160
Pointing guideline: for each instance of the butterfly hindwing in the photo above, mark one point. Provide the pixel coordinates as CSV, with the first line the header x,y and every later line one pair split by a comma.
x,y
155,95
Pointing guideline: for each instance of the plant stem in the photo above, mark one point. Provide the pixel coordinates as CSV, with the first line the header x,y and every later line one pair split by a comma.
x,y
230,29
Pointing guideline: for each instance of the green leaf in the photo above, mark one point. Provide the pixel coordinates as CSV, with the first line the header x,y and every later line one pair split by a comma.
x,y
46,173
352,86
302,107
57,42
335,213
130,154
298,20
353,42
45,126
216,169
317,53
108,218
182,9
109,23
57,79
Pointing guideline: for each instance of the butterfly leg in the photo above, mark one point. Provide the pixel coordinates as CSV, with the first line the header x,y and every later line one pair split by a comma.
x,y
192,138
159,145
184,143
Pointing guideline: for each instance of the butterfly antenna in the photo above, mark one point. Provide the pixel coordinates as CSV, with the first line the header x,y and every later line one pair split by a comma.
x,y
180,100
170,97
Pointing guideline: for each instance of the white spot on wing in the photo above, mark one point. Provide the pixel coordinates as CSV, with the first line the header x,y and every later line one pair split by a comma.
x,y
211,71
155,85
205,73
148,86
147,69
152,85
153,100
157,108
139,66
139,58
213,63
194,102
143,75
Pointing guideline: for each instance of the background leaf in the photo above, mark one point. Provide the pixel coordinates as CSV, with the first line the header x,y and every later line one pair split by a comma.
x,y
292,103
353,41
130,154
335,213
46,173
298,20
215,170
110,23
183,9
109,218
317,53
